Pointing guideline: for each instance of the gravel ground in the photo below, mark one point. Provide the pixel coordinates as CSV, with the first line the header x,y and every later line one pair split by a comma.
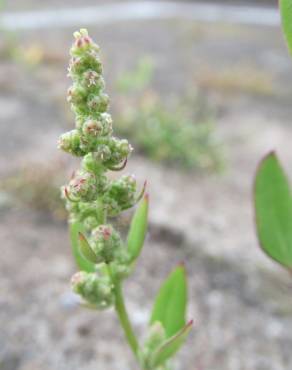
x,y
239,300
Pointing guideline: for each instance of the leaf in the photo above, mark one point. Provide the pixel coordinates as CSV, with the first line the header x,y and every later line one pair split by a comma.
x,y
286,13
170,304
273,208
138,229
85,249
171,346
82,263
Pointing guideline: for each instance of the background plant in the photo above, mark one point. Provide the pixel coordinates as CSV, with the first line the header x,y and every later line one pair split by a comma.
x,y
103,257
272,191
178,132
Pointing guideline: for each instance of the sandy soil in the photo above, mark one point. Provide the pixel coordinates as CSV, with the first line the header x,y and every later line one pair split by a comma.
x,y
239,300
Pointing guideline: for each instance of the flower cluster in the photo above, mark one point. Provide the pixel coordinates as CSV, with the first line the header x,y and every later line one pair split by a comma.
x,y
91,196
95,288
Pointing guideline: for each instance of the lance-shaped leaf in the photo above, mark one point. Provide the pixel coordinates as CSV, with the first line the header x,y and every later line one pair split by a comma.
x,y
273,208
82,263
286,13
170,346
85,249
138,229
171,301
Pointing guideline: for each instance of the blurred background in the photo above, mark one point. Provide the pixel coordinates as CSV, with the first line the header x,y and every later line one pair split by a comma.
x,y
202,91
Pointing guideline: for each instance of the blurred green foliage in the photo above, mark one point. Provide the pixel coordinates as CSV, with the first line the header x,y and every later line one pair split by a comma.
x,y
172,135
137,79
178,132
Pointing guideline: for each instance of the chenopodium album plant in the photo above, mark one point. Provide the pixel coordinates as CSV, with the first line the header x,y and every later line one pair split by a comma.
x,y
103,257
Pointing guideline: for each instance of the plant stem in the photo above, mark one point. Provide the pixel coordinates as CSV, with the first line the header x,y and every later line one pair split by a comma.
x,y
119,299
124,318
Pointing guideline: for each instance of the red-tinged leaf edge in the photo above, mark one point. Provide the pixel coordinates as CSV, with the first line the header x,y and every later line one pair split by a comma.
x,y
160,312
181,334
136,240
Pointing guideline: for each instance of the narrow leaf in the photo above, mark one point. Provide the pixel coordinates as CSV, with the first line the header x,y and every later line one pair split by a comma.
x,y
82,263
85,249
171,346
273,208
286,13
138,229
170,304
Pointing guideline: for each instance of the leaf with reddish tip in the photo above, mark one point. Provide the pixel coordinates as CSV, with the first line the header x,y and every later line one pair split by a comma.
x,y
273,209
138,229
85,249
286,14
82,263
170,346
171,301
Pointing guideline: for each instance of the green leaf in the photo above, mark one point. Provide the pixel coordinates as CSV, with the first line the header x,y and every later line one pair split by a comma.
x,y
85,249
170,303
273,207
286,13
82,263
170,346
138,229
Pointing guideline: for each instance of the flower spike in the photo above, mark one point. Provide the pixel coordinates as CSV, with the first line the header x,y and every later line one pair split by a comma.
x,y
103,257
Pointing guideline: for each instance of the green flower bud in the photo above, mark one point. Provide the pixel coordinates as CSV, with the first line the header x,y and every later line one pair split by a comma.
x,y
88,143
107,124
70,143
92,163
90,223
81,211
92,79
103,153
77,95
106,242
82,43
124,148
121,266
79,122
92,128
98,103
120,150
122,192
75,67
83,186
91,61
94,288
80,65
112,206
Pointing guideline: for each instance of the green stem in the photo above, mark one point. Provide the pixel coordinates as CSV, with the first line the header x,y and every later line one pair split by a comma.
x,y
100,214
119,298
124,318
